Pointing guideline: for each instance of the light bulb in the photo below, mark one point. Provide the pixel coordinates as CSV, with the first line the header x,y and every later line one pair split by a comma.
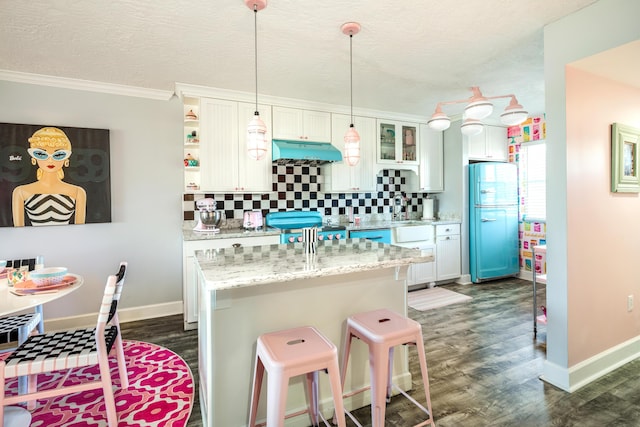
x,y
439,121
471,127
256,138
479,106
514,114
352,146
479,110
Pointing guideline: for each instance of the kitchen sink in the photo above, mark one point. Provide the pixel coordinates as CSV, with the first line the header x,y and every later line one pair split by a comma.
x,y
413,232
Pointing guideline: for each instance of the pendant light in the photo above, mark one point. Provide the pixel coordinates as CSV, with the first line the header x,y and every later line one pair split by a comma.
x,y
256,130
514,114
471,127
351,138
478,107
439,121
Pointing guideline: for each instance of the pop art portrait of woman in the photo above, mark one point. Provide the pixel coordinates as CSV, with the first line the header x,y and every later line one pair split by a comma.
x,y
54,179
49,200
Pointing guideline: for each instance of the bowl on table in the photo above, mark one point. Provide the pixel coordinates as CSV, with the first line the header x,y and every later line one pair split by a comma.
x,y
48,276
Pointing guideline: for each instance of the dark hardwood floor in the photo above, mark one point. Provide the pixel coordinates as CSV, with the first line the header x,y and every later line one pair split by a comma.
x,y
483,367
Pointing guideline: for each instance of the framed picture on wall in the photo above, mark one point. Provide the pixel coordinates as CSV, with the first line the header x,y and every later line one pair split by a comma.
x,y
624,159
53,175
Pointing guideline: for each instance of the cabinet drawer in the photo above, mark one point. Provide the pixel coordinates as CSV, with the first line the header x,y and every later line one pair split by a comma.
x,y
447,229
378,235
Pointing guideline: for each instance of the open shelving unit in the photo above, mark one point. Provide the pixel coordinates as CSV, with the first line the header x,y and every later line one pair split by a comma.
x,y
191,143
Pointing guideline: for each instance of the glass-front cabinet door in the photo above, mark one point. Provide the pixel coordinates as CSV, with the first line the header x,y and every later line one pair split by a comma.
x,y
387,143
409,144
397,142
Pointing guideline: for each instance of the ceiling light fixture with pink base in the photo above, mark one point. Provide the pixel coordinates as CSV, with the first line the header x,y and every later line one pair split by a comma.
x,y
478,107
351,138
256,130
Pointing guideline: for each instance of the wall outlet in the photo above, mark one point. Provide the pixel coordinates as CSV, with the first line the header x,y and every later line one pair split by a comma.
x,y
630,303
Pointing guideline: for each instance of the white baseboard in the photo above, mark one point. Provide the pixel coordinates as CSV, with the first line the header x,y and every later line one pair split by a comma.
x,y
526,275
125,315
465,279
587,371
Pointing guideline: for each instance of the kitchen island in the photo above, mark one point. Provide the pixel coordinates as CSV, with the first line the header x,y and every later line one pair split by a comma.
x,y
247,291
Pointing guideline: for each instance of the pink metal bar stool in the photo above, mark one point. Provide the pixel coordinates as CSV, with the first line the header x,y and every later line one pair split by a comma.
x,y
289,353
382,330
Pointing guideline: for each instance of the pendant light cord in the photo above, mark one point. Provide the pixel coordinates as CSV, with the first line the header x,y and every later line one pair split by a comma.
x,y
255,33
351,73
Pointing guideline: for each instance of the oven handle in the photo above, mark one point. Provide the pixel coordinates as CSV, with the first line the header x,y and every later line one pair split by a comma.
x,y
374,237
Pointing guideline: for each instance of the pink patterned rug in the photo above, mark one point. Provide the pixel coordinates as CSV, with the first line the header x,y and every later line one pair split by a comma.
x,y
160,393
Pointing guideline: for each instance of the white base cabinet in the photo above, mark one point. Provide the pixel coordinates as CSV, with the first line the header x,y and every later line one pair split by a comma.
x,y
189,268
448,250
418,237
423,272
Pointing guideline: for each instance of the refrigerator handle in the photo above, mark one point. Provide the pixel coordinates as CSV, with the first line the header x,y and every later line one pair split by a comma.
x,y
488,219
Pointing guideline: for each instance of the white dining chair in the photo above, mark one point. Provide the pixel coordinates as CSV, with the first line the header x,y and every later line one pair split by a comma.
x,y
67,350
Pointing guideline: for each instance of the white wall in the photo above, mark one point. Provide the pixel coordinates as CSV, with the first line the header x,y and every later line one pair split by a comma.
x,y
455,197
604,25
146,192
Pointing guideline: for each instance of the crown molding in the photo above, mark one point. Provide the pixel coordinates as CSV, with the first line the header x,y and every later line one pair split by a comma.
x,y
183,90
86,85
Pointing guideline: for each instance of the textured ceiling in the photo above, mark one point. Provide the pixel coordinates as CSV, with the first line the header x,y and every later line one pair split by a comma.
x,y
405,59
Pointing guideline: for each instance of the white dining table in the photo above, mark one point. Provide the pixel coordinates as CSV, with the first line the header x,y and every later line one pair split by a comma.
x,y
10,303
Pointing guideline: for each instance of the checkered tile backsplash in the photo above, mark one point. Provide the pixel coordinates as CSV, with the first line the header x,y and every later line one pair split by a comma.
x,y
300,187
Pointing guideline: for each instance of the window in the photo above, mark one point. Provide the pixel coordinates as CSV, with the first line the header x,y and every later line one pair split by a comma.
x,y
533,181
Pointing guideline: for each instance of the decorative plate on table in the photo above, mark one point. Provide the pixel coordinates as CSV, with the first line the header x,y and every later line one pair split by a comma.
x,y
28,286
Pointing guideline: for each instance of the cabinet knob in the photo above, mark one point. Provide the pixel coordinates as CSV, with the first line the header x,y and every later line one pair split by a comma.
x,y
236,245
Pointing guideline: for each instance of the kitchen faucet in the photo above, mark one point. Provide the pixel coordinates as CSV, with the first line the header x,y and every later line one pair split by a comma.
x,y
400,206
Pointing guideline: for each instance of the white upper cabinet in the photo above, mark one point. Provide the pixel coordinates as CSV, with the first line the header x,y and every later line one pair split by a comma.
x,y
491,144
431,169
339,176
397,143
301,125
224,163
253,175
218,144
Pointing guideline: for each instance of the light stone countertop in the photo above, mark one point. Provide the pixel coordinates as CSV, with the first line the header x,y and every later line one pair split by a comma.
x,y
260,265
188,234
374,225
238,232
